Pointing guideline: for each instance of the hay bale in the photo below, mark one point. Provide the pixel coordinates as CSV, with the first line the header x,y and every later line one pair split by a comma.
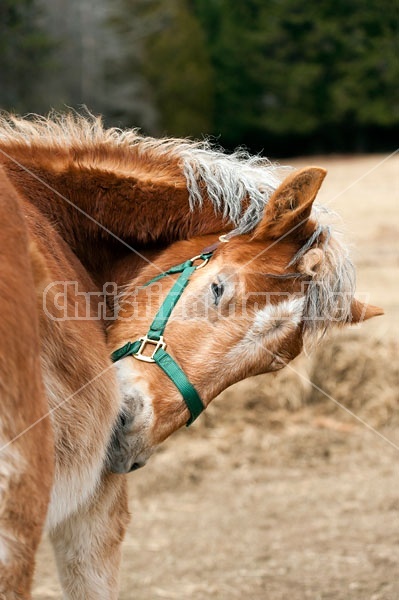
x,y
251,401
359,372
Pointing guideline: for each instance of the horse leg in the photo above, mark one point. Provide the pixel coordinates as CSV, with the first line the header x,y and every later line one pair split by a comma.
x,y
87,545
26,448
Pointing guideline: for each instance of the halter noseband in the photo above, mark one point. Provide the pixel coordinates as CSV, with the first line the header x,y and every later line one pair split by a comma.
x,y
154,336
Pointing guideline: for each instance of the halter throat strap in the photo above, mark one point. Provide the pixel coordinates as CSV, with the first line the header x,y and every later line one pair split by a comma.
x,y
154,336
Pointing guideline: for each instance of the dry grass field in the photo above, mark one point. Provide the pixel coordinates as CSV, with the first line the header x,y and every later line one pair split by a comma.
x,y
287,488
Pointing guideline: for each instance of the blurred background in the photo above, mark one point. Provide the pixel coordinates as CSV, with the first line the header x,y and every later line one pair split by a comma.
x,y
287,485
283,76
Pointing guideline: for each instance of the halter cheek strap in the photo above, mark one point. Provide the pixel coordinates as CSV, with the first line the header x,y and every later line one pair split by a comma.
x,y
154,336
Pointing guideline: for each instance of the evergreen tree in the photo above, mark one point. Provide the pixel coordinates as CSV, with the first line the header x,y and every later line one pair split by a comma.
x,y
24,56
288,70
165,47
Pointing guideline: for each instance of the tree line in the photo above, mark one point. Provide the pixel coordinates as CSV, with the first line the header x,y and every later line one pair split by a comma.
x,y
283,76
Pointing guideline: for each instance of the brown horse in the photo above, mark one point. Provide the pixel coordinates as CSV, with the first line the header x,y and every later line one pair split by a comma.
x,y
109,206
26,465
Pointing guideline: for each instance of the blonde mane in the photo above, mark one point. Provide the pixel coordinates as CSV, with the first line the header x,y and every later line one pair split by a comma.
x,y
229,181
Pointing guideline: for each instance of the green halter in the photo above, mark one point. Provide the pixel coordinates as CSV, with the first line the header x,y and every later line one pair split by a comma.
x,y
155,338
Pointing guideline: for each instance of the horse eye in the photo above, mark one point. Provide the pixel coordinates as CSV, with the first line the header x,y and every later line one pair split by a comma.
x,y
217,291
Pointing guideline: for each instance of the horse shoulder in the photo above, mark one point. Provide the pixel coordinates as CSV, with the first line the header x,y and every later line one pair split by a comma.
x,y
82,396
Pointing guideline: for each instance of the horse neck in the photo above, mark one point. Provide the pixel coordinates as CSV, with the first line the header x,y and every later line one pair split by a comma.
x,y
104,216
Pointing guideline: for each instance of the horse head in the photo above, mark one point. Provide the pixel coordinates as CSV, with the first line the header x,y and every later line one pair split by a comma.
x,y
250,310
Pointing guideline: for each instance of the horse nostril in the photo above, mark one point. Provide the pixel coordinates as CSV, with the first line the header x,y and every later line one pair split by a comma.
x,y
134,467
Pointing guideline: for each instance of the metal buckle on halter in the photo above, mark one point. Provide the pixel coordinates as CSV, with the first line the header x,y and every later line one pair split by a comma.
x,y
146,340
198,257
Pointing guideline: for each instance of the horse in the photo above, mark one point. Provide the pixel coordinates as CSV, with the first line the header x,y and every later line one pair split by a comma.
x,y
258,276
26,467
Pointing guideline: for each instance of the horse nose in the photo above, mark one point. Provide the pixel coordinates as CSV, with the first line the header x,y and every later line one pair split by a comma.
x,y
136,466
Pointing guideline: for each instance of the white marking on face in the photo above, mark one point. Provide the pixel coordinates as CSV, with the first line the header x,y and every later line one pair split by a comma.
x,y
269,328
278,319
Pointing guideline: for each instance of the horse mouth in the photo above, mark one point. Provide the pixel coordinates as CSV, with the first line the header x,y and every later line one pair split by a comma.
x,y
122,466
122,457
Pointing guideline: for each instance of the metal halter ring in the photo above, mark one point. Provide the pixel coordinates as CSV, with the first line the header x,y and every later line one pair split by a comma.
x,y
198,257
223,239
144,340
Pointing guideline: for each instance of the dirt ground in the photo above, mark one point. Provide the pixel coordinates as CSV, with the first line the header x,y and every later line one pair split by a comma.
x,y
278,492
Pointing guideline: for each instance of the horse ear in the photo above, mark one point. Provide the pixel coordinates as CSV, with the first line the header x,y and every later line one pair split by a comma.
x,y
361,311
289,207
